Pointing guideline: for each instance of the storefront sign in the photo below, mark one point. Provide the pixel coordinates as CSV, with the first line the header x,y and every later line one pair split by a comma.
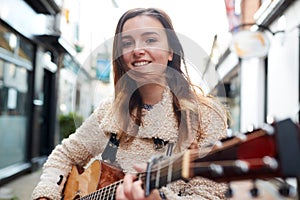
x,y
249,44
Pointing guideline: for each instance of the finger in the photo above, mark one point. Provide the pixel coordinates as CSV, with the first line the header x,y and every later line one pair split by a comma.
x,y
154,194
141,167
127,185
120,193
137,190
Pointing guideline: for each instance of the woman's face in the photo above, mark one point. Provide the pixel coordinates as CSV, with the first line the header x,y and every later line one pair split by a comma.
x,y
145,48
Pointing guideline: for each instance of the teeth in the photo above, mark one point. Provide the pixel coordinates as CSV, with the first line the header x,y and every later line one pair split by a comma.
x,y
138,64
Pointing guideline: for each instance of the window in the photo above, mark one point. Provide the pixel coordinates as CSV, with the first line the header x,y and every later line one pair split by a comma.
x,y
16,56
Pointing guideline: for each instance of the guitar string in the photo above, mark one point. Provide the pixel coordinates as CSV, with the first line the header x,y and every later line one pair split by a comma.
x,y
252,162
110,189
107,192
195,153
101,192
166,170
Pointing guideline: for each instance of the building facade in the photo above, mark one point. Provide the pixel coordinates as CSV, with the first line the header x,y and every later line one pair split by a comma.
x,y
33,50
266,88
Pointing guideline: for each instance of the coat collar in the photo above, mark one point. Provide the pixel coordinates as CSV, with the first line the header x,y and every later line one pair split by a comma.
x,y
158,122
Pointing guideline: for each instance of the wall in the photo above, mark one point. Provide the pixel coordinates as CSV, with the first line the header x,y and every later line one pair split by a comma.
x,y
283,70
252,93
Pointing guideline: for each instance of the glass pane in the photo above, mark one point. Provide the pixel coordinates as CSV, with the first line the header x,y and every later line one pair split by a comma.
x,y
1,72
1,86
234,103
26,50
12,139
13,113
18,46
8,40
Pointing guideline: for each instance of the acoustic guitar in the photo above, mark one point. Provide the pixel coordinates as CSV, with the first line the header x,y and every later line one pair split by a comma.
x,y
268,152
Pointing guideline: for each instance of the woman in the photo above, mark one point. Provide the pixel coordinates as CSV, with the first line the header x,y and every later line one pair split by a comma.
x,y
156,111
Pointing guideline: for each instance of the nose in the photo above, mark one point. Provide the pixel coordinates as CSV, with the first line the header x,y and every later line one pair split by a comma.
x,y
139,50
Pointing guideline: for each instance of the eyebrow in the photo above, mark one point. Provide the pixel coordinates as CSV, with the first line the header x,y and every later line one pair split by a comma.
x,y
143,34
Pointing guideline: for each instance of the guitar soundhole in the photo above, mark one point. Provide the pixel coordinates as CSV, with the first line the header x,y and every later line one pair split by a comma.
x,y
77,195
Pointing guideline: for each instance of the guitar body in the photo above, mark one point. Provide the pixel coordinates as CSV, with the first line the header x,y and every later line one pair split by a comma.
x,y
98,175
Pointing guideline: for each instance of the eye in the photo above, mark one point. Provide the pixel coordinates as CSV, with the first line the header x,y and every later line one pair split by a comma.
x,y
127,43
151,40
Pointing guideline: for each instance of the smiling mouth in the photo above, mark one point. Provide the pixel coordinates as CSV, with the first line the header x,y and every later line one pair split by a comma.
x,y
140,64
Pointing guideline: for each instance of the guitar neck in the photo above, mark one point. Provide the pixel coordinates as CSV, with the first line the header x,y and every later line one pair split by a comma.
x,y
254,155
105,193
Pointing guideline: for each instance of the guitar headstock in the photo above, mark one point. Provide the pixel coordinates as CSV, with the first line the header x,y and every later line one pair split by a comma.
x,y
271,151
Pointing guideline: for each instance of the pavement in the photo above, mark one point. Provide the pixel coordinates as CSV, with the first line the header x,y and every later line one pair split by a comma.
x,y
20,188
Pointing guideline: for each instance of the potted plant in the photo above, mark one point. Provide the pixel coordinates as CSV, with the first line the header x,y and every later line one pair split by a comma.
x,y
68,123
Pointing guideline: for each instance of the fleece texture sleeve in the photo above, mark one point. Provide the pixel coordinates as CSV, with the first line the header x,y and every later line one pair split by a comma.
x,y
87,142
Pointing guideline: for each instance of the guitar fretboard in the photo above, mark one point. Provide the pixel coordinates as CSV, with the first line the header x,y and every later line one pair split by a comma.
x,y
105,193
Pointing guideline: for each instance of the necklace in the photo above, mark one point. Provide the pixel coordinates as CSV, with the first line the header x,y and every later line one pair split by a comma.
x,y
147,106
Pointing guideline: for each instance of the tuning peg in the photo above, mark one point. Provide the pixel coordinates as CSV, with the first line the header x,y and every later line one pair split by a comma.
x,y
268,128
270,119
270,162
242,165
242,137
216,169
250,127
229,192
254,191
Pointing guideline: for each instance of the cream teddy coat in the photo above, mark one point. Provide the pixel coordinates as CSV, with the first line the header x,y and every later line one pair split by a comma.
x,y
90,139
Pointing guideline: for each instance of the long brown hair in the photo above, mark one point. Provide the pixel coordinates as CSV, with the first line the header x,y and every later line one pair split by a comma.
x,y
180,87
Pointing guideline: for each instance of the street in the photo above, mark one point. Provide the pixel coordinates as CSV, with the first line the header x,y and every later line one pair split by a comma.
x,y
21,188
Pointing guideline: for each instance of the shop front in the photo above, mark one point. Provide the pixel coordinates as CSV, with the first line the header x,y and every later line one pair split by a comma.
x,y
16,70
28,86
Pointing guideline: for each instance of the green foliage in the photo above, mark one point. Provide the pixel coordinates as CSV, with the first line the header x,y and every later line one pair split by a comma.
x,y
68,124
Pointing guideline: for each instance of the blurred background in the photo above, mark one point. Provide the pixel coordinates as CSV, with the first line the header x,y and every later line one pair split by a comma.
x,y
55,65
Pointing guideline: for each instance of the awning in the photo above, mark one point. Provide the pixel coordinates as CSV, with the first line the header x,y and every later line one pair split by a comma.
x,y
48,7
57,42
